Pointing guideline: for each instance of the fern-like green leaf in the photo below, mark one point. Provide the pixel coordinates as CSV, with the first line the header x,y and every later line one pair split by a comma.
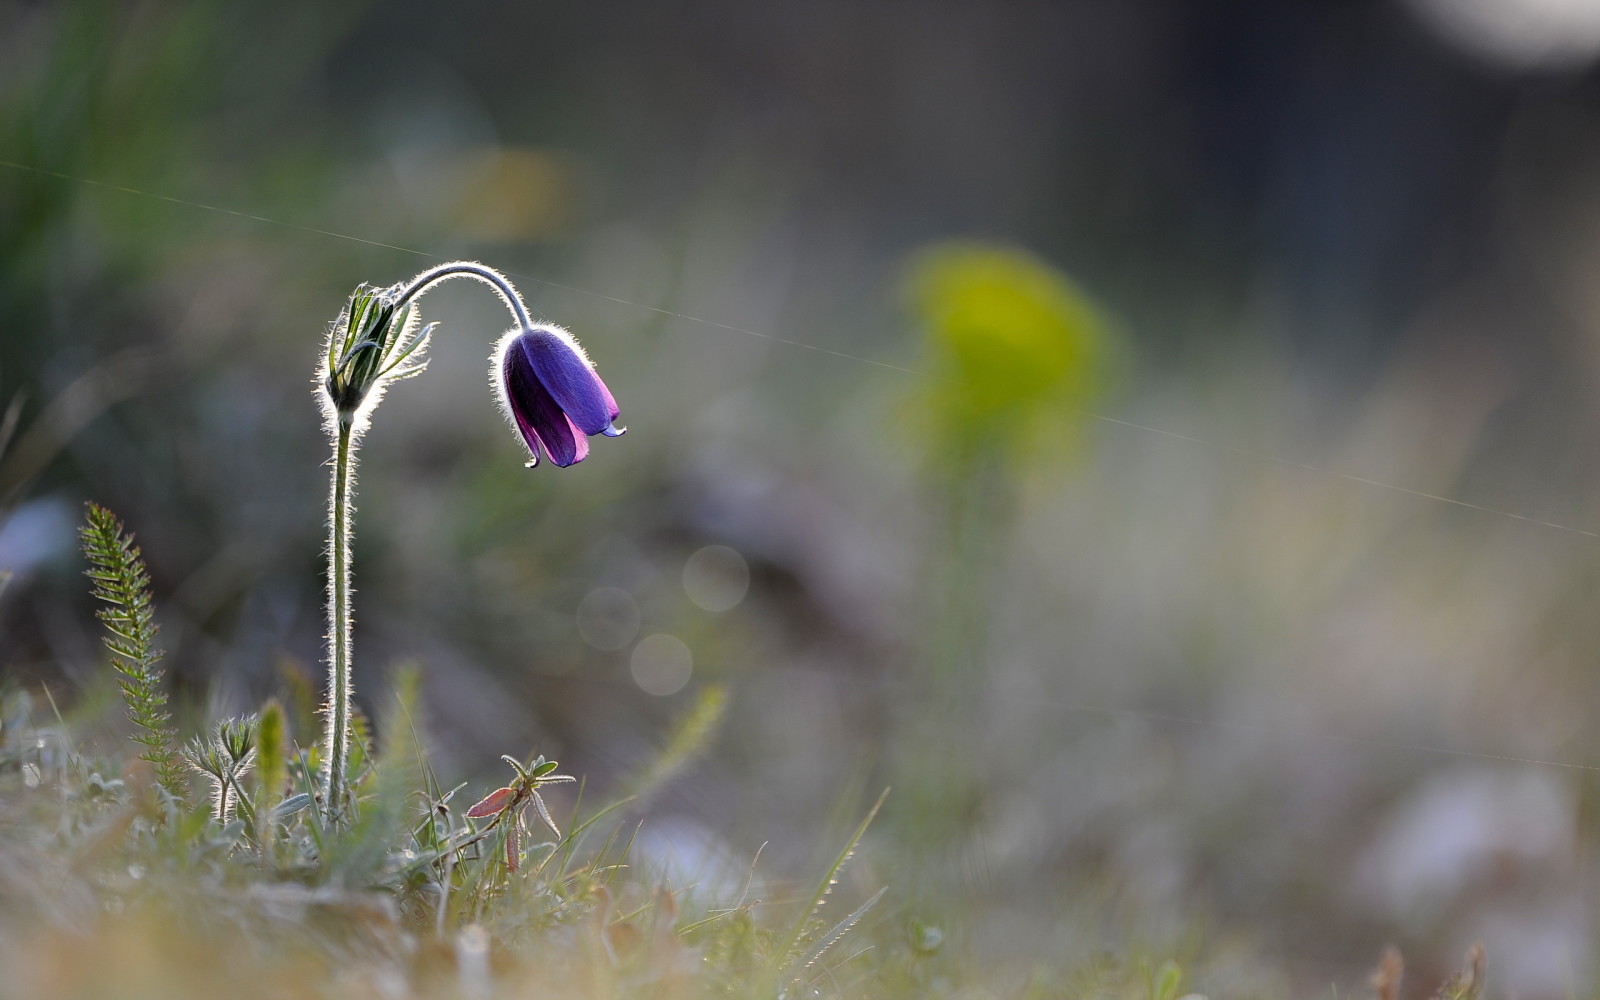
x,y
121,582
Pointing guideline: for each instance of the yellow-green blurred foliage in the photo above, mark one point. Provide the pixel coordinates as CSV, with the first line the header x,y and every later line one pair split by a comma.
x,y
1014,346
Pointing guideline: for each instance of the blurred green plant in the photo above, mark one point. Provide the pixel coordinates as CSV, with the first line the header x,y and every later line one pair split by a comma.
x,y
1014,346
1017,354
272,771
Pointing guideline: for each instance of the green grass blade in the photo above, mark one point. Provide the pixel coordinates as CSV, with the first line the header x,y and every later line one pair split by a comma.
x,y
782,959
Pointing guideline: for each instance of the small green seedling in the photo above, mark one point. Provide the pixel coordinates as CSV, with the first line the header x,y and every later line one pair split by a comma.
x,y
507,805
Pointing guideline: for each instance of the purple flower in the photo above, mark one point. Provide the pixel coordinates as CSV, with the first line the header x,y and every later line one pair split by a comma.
x,y
550,393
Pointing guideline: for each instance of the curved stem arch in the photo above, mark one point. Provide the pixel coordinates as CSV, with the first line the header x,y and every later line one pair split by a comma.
x,y
466,269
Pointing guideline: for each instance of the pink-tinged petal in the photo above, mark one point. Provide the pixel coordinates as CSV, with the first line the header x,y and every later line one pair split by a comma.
x,y
580,444
611,430
560,440
492,804
611,402
520,394
545,428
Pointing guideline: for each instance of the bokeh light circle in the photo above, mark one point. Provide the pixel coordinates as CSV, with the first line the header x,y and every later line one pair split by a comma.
x,y
716,578
661,664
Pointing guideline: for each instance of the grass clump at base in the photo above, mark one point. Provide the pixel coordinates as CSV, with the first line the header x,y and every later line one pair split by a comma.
x,y
118,879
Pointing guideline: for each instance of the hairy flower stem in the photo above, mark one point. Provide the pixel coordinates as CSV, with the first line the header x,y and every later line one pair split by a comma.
x,y
340,511
347,419
376,341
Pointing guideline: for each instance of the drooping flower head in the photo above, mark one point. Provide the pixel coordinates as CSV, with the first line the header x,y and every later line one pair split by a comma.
x,y
551,394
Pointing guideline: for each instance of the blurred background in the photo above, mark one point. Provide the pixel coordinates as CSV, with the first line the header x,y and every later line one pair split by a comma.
x,y
1157,438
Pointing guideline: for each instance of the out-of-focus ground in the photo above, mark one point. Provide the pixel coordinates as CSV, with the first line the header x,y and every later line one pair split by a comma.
x,y
1290,640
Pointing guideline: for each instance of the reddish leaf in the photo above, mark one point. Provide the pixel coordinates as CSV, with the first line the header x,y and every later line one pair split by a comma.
x,y
493,803
514,846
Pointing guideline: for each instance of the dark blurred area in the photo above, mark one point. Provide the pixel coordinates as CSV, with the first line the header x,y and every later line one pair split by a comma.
x,y
1281,669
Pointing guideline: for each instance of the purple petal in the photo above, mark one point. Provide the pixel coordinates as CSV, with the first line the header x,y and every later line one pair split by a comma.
x,y
544,427
610,430
560,440
580,449
571,383
611,403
